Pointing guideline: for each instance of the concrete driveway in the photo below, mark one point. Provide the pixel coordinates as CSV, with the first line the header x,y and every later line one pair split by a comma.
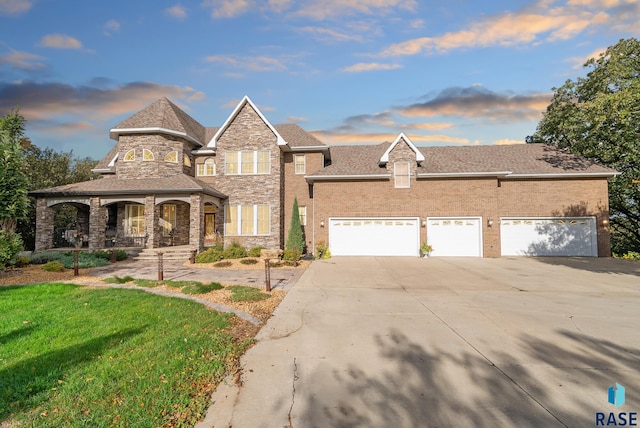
x,y
408,342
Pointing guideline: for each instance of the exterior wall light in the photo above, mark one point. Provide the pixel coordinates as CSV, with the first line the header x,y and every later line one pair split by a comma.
x,y
424,223
605,221
321,223
490,223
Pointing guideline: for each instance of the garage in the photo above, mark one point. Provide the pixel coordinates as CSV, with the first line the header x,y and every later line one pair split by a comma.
x,y
559,236
374,236
455,236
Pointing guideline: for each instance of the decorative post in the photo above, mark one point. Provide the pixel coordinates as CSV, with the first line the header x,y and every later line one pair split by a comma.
x,y
160,268
267,275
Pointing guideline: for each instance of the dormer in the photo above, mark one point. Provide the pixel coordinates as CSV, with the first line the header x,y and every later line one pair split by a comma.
x,y
399,147
401,159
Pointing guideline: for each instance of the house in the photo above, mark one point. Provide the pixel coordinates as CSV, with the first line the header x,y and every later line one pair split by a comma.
x,y
171,181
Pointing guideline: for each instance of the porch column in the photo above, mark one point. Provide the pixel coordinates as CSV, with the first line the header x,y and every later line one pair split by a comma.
x,y
44,225
97,223
150,220
196,222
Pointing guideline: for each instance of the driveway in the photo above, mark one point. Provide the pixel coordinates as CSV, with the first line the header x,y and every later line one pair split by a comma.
x,y
408,342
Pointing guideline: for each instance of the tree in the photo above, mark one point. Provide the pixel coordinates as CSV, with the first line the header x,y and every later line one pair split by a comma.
x,y
598,116
295,240
13,180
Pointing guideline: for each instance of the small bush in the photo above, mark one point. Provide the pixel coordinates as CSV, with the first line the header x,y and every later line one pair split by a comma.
x,y
240,293
256,251
45,256
22,261
53,266
222,264
631,255
275,263
322,251
292,255
235,251
117,280
106,255
10,246
85,260
248,261
201,288
211,255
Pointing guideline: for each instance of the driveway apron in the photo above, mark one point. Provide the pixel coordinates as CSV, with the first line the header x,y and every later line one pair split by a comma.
x,y
408,342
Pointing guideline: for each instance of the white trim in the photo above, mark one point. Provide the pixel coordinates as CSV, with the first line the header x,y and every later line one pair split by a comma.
x,y
203,152
309,148
184,135
113,161
567,175
463,174
68,200
239,219
401,136
347,177
213,142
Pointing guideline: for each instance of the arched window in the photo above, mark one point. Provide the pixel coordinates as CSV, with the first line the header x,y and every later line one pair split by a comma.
x,y
147,155
186,161
206,168
171,157
130,156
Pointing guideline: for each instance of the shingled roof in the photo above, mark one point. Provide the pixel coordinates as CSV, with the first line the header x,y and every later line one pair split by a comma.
x,y
180,183
163,115
516,160
296,137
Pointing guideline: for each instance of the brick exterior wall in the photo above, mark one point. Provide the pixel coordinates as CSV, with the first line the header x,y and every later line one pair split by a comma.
x,y
295,185
485,197
249,132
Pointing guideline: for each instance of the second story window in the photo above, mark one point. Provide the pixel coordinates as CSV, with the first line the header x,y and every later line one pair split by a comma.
x,y
186,161
401,174
300,164
171,157
130,156
247,162
147,155
206,168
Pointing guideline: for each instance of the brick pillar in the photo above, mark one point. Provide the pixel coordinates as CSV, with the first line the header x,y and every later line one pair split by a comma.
x,y
150,219
196,222
44,225
97,223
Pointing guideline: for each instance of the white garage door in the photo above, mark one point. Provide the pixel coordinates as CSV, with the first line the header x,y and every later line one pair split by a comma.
x,y
563,236
455,236
374,236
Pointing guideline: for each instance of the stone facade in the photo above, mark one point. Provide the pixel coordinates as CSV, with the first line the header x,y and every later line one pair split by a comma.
x,y
160,146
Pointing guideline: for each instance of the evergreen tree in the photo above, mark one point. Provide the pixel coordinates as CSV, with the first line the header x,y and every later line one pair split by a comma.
x,y
295,240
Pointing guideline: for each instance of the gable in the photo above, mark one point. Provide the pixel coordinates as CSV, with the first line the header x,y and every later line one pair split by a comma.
x,y
401,139
246,102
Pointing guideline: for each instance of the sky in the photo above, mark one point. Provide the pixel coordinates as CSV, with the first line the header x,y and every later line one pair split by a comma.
x,y
455,72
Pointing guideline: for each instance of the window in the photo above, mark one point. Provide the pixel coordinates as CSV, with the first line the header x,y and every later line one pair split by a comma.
x,y
130,156
186,161
168,219
302,210
147,155
134,223
171,157
300,164
206,168
247,162
401,174
247,220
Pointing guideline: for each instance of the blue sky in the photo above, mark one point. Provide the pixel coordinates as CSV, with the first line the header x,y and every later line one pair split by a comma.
x,y
457,72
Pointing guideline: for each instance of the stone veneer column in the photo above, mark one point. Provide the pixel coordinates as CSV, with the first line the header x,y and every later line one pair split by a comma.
x,y
150,221
196,222
97,223
44,225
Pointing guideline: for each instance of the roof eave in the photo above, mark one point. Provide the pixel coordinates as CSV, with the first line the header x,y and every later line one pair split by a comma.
x,y
567,175
113,133
463,174
312,178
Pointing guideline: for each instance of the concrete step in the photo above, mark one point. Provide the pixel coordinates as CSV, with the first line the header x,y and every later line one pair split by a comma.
x,y
168,253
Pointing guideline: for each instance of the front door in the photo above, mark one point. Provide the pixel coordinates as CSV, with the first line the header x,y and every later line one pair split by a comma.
x,y
209,229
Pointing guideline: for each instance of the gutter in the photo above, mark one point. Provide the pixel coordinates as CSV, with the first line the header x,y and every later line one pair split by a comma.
x,y
568,175
463,174
312,178
117,131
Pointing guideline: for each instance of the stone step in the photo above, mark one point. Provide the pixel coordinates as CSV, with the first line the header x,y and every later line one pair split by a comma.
x,y
168,253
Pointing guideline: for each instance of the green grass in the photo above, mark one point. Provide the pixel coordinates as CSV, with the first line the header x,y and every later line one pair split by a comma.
x,y
240,293
149,283
117,280
202,288
75,356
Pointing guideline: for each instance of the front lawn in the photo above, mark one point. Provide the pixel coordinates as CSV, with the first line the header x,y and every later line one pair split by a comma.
x,y
78,356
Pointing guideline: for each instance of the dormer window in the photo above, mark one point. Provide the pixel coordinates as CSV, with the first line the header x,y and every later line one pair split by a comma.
x,y
186,161
130,156
147,155
171,157
401,175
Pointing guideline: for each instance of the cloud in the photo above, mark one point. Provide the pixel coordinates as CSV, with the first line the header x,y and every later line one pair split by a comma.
x,y
253,63
14,7
329,35
371,66
578,62
295,119
23,61
42,102
178,11
60,41
429,126
336,138
324,9
111,27
227,8
506,141
543,22
66,129
479,102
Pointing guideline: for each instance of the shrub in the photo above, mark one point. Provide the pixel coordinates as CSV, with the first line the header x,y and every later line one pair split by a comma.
x,y
106,255
10,246
256,251
53,266
222,264
248,261
146,283
292,255
631,255
201,288
22,261
322,251
275,263
235,251
211,255
45,256
85,260
295,238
